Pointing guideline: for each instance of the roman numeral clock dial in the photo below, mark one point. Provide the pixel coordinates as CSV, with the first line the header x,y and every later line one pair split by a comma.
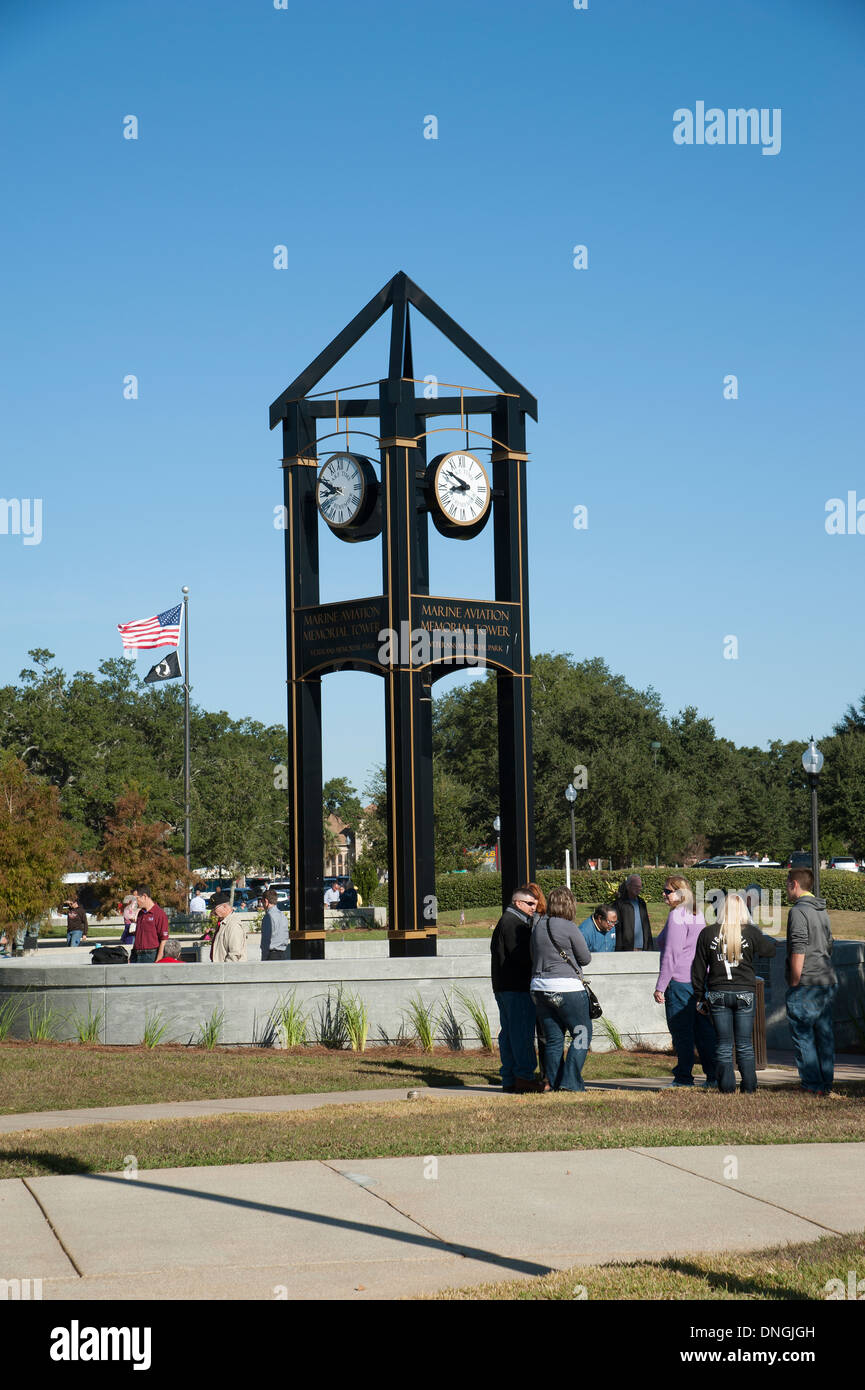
x,y
460,494
347,496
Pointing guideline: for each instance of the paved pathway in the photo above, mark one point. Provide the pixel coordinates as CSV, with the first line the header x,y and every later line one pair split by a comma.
x,y
776,1075
386,1228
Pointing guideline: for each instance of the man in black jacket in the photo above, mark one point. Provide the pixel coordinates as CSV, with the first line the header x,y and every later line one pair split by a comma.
x,y
511,976
634,932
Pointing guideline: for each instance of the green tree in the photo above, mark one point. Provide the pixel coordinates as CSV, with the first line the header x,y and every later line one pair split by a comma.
x,y
842,792
340,799
238,814
35,845
136,851
365,877
374,825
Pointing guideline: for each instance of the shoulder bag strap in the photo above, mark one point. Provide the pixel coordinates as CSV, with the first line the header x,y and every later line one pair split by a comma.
x,y
566,958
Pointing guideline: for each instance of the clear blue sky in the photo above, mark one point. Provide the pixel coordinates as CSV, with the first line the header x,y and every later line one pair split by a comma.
x,y
304,127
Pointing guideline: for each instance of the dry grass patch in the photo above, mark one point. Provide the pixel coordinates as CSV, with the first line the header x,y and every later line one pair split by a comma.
x,y
445,1125
67,1076
781,1274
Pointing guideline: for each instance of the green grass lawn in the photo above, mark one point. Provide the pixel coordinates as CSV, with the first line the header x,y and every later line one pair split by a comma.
x,y
479,921
783,1273
64,1076
446,1125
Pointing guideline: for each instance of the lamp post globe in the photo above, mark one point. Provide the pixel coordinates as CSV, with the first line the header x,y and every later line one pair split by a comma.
x,y
812,762
570,797
812,759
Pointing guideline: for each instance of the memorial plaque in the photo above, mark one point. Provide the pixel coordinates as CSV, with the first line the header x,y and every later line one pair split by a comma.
x,y
341,636
465,632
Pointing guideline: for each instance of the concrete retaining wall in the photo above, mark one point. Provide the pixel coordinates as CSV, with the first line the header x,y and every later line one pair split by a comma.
x,y
187,995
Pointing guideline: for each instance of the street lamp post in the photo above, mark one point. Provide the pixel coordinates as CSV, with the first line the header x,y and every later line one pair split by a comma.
x,y
571,796
812,762
656,748
497,825
186,759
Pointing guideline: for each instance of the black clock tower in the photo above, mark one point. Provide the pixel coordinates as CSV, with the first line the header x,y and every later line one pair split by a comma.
x,y
428,635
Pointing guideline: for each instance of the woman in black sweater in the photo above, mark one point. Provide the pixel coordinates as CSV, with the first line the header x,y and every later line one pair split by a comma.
x,y
726,987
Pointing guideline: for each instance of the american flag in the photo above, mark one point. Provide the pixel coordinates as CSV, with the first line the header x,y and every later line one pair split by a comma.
x,y
161,631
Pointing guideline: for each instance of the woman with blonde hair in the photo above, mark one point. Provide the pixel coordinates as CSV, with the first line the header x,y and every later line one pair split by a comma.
x,y
678,942
725,985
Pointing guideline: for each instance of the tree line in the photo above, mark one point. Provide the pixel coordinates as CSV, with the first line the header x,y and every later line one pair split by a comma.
x,y
95,741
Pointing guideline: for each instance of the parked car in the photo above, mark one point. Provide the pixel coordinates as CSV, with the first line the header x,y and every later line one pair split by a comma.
x,y
245,900
728,861
801,859
282,888
844,861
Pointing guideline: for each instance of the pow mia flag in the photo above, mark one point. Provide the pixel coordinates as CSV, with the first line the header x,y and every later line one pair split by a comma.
x,y
168,669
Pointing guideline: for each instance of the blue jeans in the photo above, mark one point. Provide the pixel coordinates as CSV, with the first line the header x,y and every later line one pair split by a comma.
x,y
809,1014
559,1014
143,957
687,1027
73,937
517,1036
733,1017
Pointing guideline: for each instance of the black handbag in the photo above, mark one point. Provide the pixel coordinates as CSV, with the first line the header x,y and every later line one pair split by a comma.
x,y
108,955
595,1010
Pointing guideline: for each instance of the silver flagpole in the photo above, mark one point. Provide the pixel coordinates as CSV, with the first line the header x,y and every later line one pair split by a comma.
x,y
186,846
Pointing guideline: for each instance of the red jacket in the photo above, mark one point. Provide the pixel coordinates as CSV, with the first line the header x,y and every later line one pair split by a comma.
x,y
151,927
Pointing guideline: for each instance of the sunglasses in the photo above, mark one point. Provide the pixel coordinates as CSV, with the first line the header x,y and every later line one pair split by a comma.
x,y
668,891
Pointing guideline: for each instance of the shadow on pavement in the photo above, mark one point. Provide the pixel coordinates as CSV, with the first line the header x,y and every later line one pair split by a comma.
x,y
440,1246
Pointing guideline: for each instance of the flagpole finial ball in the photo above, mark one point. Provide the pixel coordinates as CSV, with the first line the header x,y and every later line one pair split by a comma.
x,y
185,589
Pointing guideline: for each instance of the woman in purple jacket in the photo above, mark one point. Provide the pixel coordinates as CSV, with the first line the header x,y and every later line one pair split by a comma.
x,y
678,942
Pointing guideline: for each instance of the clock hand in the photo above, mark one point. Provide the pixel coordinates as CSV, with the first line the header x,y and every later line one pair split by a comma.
x,y
463,487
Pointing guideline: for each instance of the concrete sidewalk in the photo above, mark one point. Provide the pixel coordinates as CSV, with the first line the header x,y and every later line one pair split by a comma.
x,y
388,1228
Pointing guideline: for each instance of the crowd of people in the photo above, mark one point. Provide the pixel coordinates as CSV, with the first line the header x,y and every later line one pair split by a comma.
x,y
706,981
146,926
706,978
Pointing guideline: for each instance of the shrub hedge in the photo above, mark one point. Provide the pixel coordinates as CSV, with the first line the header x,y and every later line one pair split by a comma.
x,y
842,891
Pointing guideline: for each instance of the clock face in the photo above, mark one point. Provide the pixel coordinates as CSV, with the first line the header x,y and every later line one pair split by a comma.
x,y
462,489
341,490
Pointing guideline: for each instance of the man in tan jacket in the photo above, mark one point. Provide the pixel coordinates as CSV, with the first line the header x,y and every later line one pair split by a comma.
x,y
229,943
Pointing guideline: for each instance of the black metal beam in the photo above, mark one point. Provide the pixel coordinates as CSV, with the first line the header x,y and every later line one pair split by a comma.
x,y
397,327
306,833
513,692
467,345
408,707
336,348
442,405
398,292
